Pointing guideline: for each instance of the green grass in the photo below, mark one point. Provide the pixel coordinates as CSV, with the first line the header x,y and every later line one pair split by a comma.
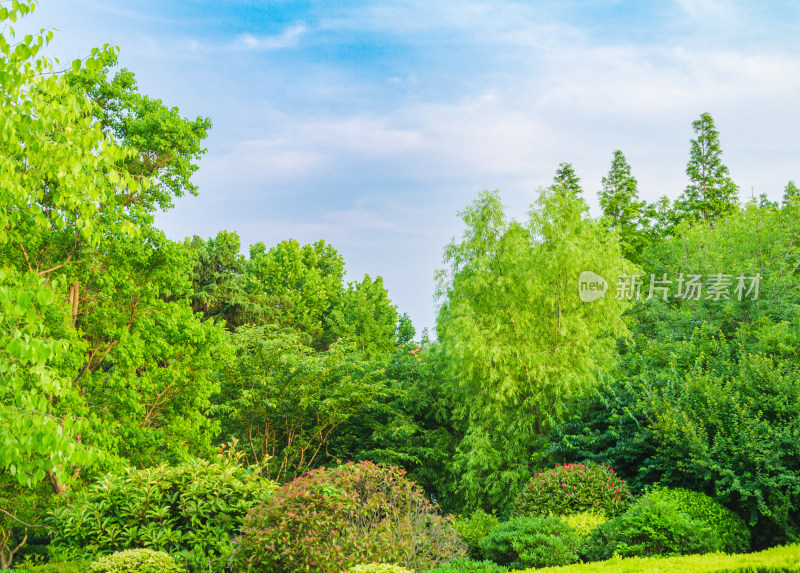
x,y
784,559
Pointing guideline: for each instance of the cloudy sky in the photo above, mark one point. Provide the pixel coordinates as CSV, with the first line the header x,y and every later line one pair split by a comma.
x,y
370,124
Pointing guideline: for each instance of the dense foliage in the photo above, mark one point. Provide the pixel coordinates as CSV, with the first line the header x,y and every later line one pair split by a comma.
x,y
331,519
661,339
189,511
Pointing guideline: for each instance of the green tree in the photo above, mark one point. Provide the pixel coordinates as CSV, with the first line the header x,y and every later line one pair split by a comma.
x,y
567,179
790,192
711,193
305,284
405,329
284,401
517,339
221,287
50,158
77,198
620,202
708,396
367,318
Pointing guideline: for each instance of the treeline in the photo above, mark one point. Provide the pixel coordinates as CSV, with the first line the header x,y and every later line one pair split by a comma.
x,y
119,347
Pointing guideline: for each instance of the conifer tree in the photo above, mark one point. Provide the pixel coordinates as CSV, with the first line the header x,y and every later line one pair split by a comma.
x,y
620,202
711,193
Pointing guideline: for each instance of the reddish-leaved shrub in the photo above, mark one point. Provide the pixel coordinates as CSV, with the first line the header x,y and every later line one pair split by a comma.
x,y
573,488
331,519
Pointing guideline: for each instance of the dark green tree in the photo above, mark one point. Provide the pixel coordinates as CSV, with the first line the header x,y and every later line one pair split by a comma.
x,y
620,202
711,193
790,192
567,181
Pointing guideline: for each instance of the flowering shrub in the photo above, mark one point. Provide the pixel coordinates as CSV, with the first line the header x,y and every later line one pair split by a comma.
x,y
573,488
332,519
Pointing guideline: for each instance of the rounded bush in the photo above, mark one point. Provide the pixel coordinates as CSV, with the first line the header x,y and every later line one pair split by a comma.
x,y
653,525
135,561
333,519
532,542
378,568
190,511
474,528
573,488
466,565
730,528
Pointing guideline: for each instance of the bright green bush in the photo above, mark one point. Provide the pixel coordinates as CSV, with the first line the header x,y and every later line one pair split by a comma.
x,y
467,565
378,568
136,561
532,542
730,528
190,511
332,519
573,488
474,528
652,526
585,522
776,560
53,567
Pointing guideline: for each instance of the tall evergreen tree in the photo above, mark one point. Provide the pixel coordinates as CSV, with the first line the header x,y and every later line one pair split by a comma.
x,y
711,192
567,181
620,202
790,192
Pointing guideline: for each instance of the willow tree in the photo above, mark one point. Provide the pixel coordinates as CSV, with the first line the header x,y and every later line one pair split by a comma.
x,y
519,341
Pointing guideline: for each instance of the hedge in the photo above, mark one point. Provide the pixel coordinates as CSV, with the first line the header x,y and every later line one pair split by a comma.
x,y
784,559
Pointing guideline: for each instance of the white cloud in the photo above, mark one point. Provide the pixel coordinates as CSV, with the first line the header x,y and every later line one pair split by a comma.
x,y
287,39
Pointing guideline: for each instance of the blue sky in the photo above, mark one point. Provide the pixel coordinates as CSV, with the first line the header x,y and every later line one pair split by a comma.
x,y
370,124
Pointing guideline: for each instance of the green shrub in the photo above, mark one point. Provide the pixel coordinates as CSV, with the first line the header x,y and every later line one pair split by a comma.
x,y
776,560
332,519
585,522
730,528
466,565
532,542
53,567
652,526
135,561
191,511
378,568
573,488
474,528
